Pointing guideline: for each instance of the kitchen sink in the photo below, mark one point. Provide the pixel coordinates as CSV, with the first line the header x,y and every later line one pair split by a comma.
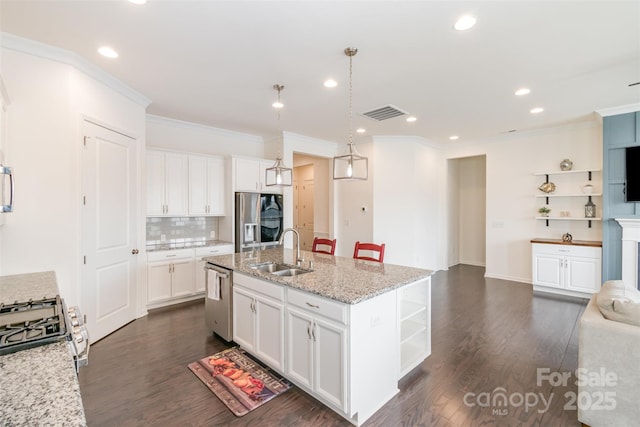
x,y
279,269
291,272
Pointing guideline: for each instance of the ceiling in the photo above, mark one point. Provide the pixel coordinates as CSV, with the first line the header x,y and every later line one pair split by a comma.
x,y
215,62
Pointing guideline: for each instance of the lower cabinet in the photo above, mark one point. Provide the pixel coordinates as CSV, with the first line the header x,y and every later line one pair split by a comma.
x,y
316,354
258,319
178,275
567,269
171,277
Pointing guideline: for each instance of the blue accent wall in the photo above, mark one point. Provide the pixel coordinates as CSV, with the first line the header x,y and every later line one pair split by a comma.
x,y
619,132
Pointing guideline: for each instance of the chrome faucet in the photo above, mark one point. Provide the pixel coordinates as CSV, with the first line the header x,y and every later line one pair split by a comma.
x,y
299,259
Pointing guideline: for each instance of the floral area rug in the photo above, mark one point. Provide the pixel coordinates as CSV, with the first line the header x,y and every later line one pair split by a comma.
x,y
238,381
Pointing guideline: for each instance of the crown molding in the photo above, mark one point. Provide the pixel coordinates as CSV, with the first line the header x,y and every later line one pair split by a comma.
x,y
32,47
622,109
152,118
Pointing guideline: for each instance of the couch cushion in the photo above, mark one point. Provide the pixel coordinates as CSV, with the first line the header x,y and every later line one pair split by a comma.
x,y
619,302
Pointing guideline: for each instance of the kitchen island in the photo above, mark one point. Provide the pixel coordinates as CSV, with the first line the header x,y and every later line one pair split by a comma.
x,y
39,385
345,332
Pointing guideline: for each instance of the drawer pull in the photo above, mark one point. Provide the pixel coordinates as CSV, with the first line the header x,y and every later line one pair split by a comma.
x,y
169,256
313,305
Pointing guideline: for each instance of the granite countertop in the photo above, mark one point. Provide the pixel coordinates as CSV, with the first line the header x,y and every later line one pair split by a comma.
x,y
168,246
38,386
339,278
23,287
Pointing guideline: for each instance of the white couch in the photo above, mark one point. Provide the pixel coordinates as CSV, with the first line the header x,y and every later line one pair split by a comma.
x,y
609,358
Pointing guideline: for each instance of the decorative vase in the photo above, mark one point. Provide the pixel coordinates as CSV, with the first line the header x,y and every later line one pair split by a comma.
x,y
547,187
567,238
566,165
587,189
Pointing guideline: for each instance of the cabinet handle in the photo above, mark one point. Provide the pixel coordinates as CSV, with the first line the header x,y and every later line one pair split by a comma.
x,y
313,305
313,331
309,330
169,256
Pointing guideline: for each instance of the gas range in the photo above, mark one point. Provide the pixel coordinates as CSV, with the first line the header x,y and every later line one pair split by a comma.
x,y
33,323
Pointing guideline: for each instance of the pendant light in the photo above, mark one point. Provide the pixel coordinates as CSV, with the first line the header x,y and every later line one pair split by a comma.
x,y
278,174
351,165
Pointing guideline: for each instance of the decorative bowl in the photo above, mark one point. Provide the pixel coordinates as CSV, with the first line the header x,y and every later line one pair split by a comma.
x,y
547,187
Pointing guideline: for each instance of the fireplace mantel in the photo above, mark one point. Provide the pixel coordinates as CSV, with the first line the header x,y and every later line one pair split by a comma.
x,y
630,242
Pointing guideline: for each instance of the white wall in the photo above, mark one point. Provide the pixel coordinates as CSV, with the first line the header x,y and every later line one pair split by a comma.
x,y
453,212
409,201
163,132
511,204
49,101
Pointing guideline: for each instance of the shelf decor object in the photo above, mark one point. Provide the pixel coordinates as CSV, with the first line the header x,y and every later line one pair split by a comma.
x,y
278,174
590,209
351,165
566,165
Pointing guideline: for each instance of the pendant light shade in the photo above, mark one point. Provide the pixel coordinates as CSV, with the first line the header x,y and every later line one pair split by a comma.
x,y
351,165
278,174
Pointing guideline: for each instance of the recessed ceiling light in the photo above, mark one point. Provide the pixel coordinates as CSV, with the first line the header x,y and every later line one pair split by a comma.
x,y
523,91
361,130
138,1
465,22
411,119
536,110
454,137
107,52
330,83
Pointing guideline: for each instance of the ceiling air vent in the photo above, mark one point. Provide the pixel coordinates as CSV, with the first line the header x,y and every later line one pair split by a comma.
x,y
384,113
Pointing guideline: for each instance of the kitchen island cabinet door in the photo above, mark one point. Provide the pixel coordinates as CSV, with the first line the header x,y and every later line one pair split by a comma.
x,y
269,332
330,362
243,319
299,366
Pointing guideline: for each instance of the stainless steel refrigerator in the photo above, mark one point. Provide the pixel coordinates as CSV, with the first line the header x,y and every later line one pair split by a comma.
x,y
259,220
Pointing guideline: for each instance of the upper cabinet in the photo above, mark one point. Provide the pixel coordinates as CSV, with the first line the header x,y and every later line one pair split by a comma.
x,y
250,175
167,179
206,185
181,184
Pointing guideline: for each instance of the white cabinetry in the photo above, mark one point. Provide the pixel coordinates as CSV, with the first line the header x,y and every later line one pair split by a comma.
x,y
206,185
414,310
250,175
566,269
317,346
167,181
200,263
258,319
170,274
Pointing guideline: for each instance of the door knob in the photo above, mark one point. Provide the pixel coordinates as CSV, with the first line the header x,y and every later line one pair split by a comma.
x,y
135,252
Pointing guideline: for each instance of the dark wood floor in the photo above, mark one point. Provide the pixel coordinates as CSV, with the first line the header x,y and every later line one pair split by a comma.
x,y
487,334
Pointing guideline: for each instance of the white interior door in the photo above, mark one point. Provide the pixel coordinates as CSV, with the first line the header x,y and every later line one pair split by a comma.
x,y
109,170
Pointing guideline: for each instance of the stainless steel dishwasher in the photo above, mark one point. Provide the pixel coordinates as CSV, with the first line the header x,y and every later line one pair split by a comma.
x,y
218,303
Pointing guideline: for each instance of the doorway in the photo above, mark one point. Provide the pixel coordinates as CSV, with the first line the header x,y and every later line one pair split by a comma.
x,y
310,198
467,197
109,229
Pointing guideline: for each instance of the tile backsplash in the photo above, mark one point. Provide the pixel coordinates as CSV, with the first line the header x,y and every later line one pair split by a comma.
x,y
180,229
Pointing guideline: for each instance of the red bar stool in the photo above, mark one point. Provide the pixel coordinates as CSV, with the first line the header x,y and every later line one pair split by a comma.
x,y
326,242
379,249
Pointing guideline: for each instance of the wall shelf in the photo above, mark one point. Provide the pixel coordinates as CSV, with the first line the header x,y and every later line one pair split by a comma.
x,y
548,196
